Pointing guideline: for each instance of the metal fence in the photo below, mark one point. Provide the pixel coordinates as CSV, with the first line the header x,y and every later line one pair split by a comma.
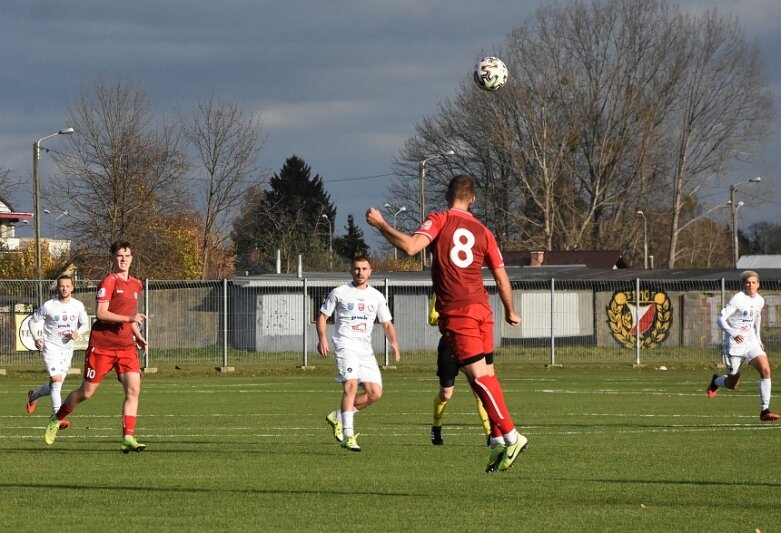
x,y
271,321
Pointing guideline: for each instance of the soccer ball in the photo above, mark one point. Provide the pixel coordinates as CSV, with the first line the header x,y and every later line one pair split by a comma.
x,y
490,73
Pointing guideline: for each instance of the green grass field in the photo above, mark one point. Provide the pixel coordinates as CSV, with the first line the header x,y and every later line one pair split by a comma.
x,y
611,449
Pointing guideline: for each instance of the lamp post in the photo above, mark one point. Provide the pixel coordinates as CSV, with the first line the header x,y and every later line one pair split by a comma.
x,y
63,214
645,240
401,210
734,208
422,193
37,207
330,240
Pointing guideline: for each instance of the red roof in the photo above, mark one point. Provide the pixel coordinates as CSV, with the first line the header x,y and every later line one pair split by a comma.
x,y
587,258
15,217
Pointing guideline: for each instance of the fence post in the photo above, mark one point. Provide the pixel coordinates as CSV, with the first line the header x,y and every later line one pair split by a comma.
x,y
225,322
225,369
636,319
146,322
384,338
304,357
552,322
147,369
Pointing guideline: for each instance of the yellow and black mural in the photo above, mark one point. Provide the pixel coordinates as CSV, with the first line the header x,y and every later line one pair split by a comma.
x,y
650,318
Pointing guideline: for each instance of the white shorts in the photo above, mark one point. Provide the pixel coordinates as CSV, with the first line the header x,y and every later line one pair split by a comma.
x,y
364,368
735,356
56,360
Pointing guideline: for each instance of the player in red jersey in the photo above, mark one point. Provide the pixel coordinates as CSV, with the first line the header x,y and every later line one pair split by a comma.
x,y
461,245
113,343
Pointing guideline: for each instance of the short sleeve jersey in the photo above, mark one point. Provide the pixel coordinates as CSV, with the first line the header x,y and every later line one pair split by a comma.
x,y
354,311
122,297
461,245
741,316
60,320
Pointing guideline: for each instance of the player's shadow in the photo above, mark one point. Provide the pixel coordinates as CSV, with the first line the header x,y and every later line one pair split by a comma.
x,y
204,490
695,482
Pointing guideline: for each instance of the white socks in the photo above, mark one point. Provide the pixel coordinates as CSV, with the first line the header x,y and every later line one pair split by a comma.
x,y
764,394
347,421
511,437
764,391
56,393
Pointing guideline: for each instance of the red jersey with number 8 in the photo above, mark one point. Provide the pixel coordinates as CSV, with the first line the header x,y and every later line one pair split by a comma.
x,y
122,297
461,245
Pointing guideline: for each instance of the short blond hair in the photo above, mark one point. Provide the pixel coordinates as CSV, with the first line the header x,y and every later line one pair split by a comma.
x,y
748,274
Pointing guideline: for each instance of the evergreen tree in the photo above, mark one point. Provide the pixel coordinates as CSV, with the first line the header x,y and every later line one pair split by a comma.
x,y
287,217
351,244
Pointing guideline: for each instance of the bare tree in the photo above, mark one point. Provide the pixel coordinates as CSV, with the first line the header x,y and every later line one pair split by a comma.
x,y
122,176
722,104
704,244
6,184
226,144
612,106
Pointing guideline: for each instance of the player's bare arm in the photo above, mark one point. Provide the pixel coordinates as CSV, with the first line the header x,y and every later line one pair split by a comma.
x,y
390,334
505,291
138,337
322,338
409,244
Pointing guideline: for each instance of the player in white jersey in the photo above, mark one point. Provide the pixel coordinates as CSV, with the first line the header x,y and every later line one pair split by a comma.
x,y
740,320
354,307
64,321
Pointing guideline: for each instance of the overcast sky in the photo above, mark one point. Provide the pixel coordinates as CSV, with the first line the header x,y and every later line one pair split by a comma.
x,y
341,84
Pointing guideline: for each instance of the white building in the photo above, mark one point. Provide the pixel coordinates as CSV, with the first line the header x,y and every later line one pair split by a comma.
x,y
9,220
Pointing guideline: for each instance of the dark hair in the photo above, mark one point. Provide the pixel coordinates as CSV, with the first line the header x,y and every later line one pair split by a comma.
x,y
461,187
65,276
117,246
360,257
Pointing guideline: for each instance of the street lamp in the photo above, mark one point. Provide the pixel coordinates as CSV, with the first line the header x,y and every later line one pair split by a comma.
x,y
401,210
645,240
734,208
37,207
330,240
422,191
62,214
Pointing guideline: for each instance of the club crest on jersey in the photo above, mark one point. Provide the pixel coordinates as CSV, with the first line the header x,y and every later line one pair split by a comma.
x,y
101,292
350,306
361,306
649,319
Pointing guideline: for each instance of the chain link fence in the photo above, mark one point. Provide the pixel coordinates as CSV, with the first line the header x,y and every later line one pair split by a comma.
x,y
271,321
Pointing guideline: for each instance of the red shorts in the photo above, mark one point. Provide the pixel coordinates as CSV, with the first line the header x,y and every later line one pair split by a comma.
x,y
468,330
99,362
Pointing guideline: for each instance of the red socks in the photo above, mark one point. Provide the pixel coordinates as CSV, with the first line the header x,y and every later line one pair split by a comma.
x,y
491,394
128,422
128,425
64,411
